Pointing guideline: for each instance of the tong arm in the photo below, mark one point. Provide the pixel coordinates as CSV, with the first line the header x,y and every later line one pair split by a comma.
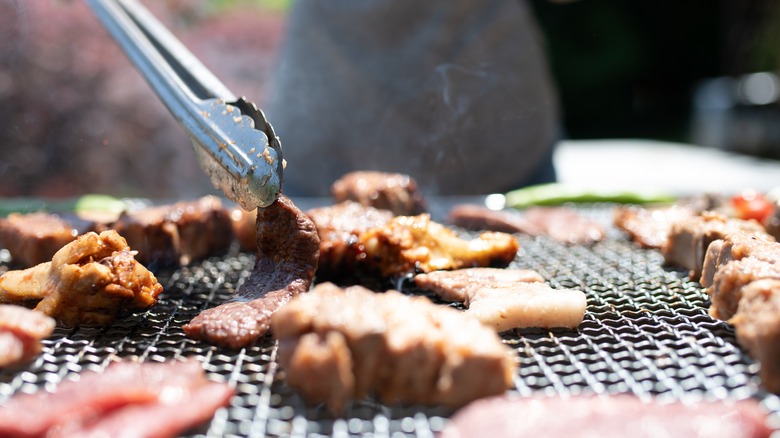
x,y
234,142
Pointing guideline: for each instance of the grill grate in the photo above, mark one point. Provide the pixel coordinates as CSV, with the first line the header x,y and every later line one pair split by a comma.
x,y
646,331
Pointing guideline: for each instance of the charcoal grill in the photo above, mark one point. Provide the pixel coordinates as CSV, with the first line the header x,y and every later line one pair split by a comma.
x,y
646,331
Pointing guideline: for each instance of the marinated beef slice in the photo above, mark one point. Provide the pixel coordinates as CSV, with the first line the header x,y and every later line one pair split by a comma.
x,y
33,238
757,325
395,192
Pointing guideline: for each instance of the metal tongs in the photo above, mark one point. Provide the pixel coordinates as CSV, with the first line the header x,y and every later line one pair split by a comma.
x,y
234,143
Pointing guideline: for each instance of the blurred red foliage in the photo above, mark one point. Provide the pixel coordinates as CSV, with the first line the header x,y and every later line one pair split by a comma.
x,y
76,117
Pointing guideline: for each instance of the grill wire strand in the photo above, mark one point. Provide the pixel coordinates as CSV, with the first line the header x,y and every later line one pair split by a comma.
x,y
646,332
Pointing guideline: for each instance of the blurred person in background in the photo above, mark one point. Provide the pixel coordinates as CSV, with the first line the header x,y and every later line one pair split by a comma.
x,y
455,93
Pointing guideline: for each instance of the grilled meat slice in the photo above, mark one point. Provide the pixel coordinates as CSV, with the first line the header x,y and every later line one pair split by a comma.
x,y
757,325
287,254
157,399
565,225
731,279
33,238
21,332
455,285
339,227
416,243
336,344
689,238
389,191
88,281
736,246
507,298
615,416
478,218
649,226
559,223
178,233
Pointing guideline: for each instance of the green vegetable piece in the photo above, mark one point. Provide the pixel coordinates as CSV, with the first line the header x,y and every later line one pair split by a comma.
x,y
557,194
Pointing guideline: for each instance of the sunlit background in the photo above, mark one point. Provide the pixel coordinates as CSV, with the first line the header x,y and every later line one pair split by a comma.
x,y
75,116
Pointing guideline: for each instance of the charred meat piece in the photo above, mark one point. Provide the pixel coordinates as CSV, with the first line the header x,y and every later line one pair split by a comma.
x,y
338,344
339,227
559,223
89,281
149,399
287,253
178,233
389,191
689,238
33,238
615,416
507,298
416,243
21,332
757,325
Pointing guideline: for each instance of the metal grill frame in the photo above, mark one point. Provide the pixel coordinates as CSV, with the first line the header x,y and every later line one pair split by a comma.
x,y
646,331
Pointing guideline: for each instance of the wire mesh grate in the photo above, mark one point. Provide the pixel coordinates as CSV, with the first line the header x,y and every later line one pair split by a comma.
x,y
646,331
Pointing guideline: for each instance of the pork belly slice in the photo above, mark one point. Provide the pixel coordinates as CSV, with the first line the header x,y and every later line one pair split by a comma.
x,y
507,298
615,416
33,238
689,238
395,192
408,244
339,227
89,281
340,344
138,396
21,332
287,254
757,326
454,285
179,233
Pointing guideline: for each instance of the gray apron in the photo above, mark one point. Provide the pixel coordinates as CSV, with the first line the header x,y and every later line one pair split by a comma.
x,y
455,93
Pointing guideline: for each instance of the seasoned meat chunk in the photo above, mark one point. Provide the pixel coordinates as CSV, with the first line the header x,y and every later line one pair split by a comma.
x,y
389,191
337,344
757,325
507,298
287,253
416,243
34,238
649,227
88,281
21,331
615,416
178,233
689,238
339,227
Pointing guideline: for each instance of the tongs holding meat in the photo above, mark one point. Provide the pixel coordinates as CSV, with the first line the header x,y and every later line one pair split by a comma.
x,y
234,143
